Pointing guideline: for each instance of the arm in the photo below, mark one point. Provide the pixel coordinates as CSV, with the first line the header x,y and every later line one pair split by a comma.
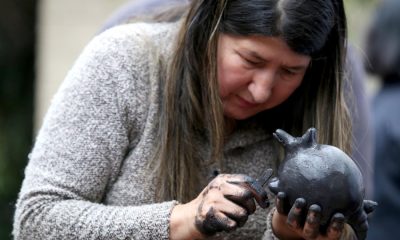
x,y
78,154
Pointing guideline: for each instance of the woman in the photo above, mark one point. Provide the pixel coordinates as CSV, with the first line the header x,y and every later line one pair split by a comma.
x,y
151,114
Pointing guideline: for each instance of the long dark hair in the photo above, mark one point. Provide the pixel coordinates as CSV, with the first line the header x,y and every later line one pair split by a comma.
x,y
192,106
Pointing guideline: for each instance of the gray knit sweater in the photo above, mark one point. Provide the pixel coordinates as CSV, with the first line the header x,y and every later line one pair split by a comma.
x,y
87,178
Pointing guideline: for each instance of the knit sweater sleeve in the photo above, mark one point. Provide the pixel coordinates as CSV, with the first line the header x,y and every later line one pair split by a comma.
x,y
80,149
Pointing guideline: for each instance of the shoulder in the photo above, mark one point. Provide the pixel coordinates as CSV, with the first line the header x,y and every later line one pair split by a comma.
x,y
138,38
126,55
135,49
123,52
132,56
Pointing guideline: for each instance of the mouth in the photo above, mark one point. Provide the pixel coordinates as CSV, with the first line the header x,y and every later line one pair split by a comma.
x,y
244,103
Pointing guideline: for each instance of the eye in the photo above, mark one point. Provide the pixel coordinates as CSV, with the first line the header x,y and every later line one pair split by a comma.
x,y
289,72
251,62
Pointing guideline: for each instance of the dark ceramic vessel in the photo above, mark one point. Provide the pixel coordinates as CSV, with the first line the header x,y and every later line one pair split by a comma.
x,y
321,174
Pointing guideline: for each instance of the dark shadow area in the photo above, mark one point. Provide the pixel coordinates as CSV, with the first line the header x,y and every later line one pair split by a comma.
x,y
17,77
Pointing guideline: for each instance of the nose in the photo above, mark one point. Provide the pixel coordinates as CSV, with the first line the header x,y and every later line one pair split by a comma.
x,y
261,86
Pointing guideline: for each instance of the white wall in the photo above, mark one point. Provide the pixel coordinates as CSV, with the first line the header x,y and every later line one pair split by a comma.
x,y
65,27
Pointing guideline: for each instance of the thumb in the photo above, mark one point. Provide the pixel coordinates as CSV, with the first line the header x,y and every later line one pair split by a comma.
x,y
273,185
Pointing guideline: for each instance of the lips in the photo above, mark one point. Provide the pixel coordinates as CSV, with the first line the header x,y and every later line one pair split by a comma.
x,y
244,103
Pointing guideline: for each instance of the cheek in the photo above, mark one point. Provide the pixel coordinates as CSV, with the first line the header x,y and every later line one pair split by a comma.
x,y
231,77
283,92
225,82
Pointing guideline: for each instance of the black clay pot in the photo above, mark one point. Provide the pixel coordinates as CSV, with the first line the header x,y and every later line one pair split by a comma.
x,y
321,174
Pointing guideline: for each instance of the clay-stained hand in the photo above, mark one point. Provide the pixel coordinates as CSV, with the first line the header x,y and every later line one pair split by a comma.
x,y
296,218
223,205
226,203
303,223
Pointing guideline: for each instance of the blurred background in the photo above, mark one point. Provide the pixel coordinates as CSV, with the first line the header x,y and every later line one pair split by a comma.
x,y
39,41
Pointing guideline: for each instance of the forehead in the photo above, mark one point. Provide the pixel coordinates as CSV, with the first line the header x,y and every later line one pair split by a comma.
x,y
263,47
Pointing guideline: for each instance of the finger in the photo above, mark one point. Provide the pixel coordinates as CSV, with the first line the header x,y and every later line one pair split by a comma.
x,y
369,206
232,197
243,201
239,217
295,215
258,192
311,226
240,195
280,203
335,227
214,201
234,211
214,222
250,206
224,222
273,185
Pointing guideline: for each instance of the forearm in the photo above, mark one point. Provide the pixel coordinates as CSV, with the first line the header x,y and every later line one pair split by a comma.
x,y
49,217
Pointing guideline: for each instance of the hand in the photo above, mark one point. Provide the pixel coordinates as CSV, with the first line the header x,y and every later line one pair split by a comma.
x,y
358,221
302,223
223,205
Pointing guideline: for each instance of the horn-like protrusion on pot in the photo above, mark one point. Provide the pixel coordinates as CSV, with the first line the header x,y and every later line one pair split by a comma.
x,y
309,138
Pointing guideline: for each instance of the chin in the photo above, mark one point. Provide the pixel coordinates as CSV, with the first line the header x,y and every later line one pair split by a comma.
x,y
238,116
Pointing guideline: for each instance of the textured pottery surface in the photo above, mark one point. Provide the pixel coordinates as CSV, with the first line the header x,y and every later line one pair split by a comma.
x,y
321,174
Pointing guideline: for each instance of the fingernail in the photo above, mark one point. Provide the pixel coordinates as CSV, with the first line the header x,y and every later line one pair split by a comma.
x,y
281,195
315,209
300,203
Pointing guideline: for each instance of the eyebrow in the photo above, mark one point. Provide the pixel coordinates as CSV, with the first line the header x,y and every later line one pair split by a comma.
x,y
255,55
294,68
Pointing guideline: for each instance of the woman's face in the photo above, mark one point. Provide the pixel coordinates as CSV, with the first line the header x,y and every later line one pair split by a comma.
x,y
256,73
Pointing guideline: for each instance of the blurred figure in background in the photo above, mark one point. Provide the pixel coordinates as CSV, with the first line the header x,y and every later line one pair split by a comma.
x,y
383,52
